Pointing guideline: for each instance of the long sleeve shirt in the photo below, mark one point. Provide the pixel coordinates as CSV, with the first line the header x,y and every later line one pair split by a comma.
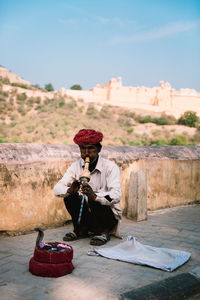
x,y
105,182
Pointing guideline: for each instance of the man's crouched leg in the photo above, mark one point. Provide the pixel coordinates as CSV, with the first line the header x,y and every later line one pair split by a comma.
x,y
102,221
73,204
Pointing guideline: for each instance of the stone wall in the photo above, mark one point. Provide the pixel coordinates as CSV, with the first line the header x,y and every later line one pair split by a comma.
x,y
28,173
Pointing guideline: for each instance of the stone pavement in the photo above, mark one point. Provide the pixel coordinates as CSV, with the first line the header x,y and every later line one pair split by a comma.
x,y
97,277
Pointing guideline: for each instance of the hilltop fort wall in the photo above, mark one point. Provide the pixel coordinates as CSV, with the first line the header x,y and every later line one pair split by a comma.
x,y
162,98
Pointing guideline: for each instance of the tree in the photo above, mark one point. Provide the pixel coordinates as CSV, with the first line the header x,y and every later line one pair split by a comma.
x,y
49,87
189,118
76,87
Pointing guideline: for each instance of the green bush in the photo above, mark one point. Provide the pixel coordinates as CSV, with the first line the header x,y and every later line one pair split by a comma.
x,y
189,118
5,94
61,104
163,120
134,143
170,120
47,101
3,140
124,122
179,140
92,111
71,105
160,142
146,119
160,121
76,87
130,130
4,80
3,107
2,99
16,140
21,97
38,100
30,128
38,107
49,87
30,101
12,124
13,117
21,110
81,109
23,86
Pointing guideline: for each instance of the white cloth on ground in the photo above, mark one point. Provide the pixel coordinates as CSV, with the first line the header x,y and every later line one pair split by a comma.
x,y
134,252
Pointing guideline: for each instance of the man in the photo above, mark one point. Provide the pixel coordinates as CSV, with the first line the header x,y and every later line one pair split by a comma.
x,y
100,213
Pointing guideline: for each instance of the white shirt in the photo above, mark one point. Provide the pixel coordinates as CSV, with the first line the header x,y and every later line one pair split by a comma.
x,y
105,180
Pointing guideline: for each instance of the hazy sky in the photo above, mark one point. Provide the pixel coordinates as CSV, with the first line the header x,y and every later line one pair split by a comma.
x,y
90,41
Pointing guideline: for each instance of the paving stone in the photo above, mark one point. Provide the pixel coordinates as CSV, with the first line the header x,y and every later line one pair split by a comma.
x,y
12,291
36,293
97,277
4,255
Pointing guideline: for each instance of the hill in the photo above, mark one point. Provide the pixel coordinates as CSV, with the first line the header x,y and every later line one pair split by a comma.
x,y
10,77
32,115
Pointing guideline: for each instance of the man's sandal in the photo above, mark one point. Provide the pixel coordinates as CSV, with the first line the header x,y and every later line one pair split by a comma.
x,y
99,240
72,236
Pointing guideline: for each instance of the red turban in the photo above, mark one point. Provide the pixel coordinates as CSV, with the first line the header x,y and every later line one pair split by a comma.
x,y
88,137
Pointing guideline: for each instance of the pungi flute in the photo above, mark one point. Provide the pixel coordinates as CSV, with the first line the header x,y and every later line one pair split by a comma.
x,y
84,177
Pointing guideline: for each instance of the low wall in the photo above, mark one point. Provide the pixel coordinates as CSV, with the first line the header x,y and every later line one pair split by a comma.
x,y
28,173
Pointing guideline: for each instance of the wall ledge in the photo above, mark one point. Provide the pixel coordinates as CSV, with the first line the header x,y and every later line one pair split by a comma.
x,y
25,153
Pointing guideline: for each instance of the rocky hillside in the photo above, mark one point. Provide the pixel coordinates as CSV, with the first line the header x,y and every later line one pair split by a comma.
x,y
32,115
11,77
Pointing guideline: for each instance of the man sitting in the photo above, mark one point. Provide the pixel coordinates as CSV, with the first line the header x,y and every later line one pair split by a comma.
x,y
100,213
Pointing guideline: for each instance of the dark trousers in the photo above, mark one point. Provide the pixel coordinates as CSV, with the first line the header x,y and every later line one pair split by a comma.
x,y
96,218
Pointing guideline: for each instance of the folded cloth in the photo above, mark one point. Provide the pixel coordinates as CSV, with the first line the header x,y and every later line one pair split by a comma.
x,y
134,252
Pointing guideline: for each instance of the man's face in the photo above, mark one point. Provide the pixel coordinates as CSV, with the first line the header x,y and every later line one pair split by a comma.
x,y
89,150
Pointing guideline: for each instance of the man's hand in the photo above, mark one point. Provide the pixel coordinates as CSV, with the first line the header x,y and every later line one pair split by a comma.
x,y
87,190
74,187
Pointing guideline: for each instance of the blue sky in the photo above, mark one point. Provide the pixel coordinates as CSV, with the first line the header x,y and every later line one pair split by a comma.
x,y
90,41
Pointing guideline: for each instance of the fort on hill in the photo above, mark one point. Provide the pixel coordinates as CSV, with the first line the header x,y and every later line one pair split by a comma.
x,y
161,98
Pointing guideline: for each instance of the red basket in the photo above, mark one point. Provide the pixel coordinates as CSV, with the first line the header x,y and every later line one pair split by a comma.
x,y
50,270
51,263
54,257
